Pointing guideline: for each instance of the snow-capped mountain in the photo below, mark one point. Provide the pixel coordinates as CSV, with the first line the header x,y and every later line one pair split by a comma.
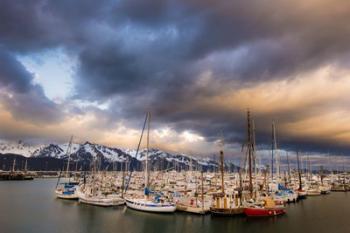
x,y
19,148
89,152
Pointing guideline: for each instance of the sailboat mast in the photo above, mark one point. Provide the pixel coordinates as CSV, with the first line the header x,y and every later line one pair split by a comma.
x,y
146,165
254,154
273,149
299,174
250,153
26,166
288,166
14,165
123,176
202,196
277,156
68,153
222,171
240,191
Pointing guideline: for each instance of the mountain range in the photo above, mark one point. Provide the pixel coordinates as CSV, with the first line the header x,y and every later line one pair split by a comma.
x,y
84,156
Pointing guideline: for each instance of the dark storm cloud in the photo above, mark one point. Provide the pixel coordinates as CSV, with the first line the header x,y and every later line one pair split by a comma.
x,y
12,74
25,100
142,55
262,40
246,42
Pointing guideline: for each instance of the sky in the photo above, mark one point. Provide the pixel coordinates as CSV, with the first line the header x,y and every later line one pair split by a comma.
x,y
93,69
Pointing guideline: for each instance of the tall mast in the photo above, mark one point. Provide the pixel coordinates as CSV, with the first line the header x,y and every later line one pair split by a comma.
x,y
309,167
26,166
274,155
240,186
222,171
123,176
288,166
14,165
299,174
68,153
202,196
254,154
146,167
250,152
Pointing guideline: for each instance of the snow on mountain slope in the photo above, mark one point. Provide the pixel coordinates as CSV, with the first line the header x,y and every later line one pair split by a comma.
x,y
19,148
90,151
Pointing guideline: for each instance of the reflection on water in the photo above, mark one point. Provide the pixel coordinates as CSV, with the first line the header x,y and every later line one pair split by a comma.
x,y
30,206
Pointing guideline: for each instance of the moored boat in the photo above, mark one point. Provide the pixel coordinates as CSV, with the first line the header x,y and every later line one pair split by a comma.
x,y
152,201
67,191
101,200
146,205
266,209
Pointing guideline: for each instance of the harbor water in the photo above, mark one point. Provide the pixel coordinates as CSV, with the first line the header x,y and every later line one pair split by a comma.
x,y
31,207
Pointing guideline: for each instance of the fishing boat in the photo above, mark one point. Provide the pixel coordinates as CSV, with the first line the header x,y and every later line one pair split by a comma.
x,y
194,205
151,201
302,194
223,203
266,209
191,207
226,205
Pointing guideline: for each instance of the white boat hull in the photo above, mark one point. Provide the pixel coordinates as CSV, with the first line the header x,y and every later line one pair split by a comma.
x,y
102,201
147,206
61,195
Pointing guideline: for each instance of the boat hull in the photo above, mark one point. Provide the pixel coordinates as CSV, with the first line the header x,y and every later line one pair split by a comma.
x,y
146,207
227,211
263,212
191,209
67,196
105,202
313,193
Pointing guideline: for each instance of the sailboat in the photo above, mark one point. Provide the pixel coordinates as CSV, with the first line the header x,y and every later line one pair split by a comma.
x,y
267,207
92,195
264,209
99,191
279,191
151,201
67,190
194,205
224,203
301,192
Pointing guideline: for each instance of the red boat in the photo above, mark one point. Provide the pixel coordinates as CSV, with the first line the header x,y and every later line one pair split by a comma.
x,y
267,209
263,212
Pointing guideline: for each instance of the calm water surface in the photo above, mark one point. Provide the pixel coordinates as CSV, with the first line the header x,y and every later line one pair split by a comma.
x,y
30,207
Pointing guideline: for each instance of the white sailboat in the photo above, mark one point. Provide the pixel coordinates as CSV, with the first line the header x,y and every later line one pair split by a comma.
x,y
91,197
67,190
151,201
